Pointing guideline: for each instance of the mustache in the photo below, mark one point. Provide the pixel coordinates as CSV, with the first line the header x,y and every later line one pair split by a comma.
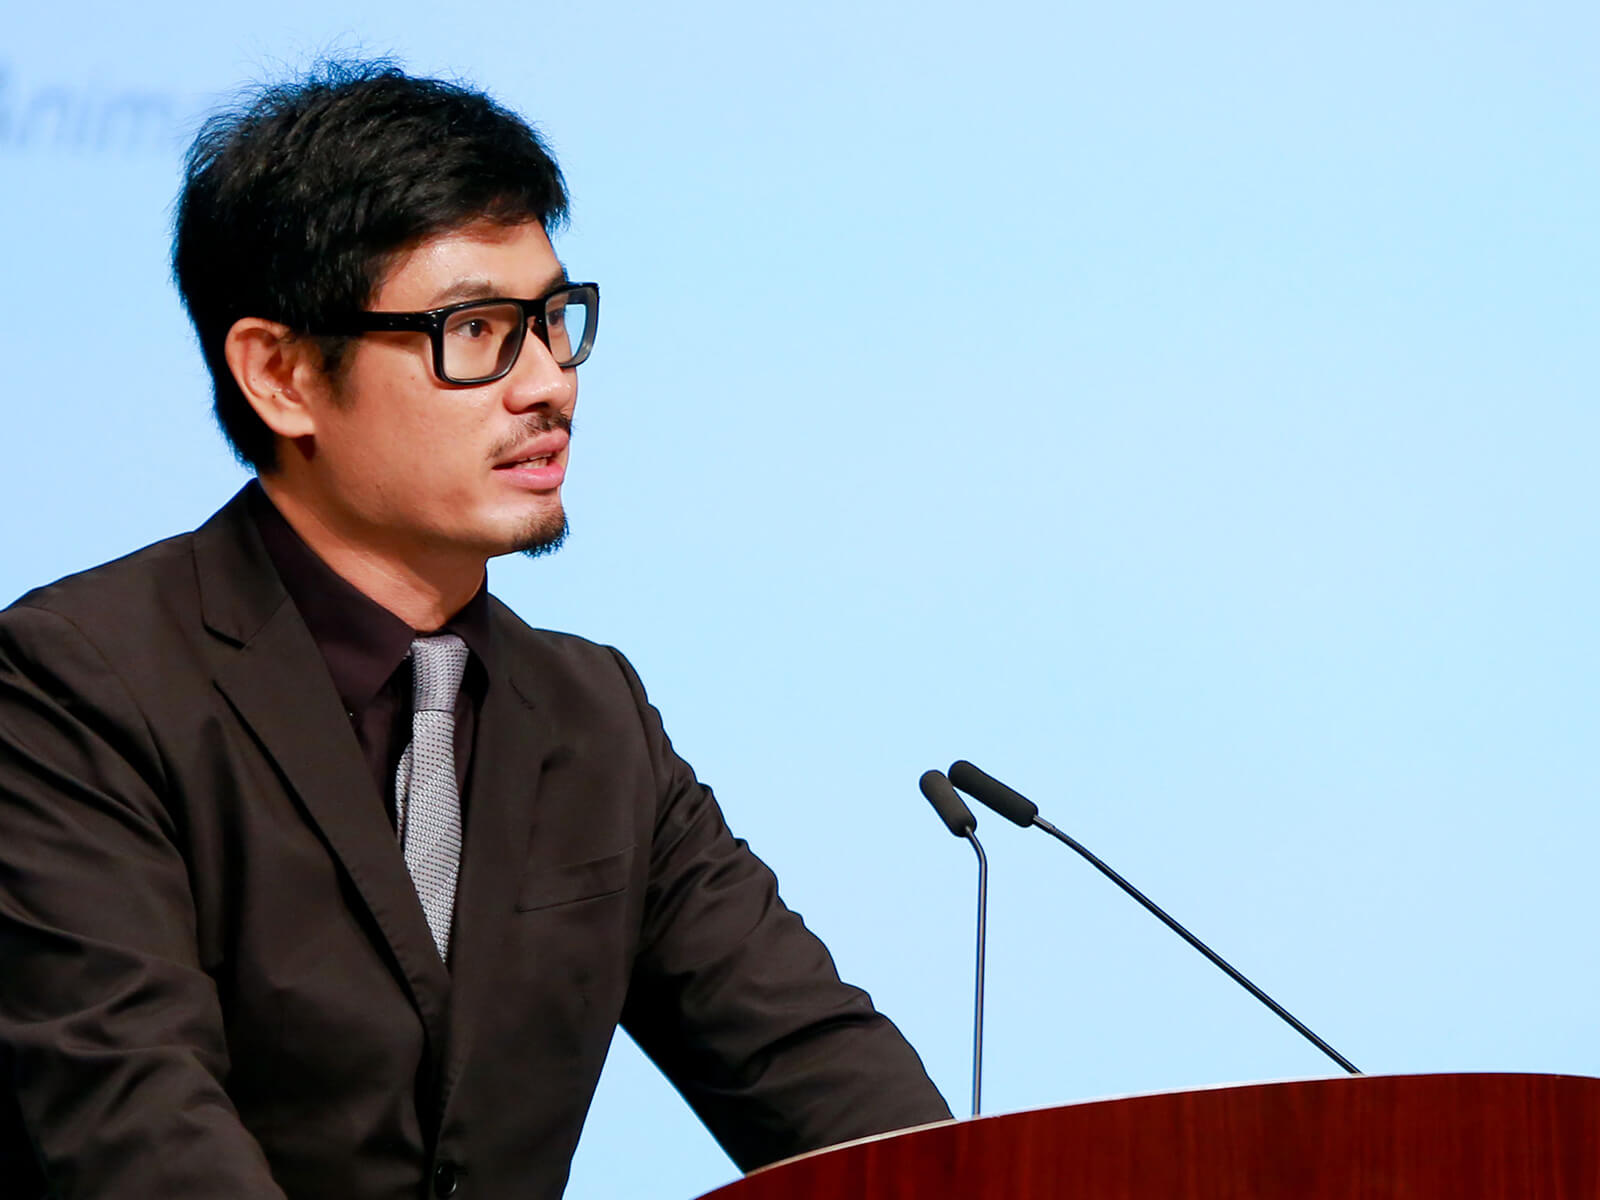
x,y
532,425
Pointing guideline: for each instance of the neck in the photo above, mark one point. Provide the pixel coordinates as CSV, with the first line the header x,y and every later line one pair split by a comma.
x,y
424,590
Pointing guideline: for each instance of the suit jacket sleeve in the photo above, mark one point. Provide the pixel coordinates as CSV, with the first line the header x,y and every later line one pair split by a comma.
x,y
739,1003
113,1033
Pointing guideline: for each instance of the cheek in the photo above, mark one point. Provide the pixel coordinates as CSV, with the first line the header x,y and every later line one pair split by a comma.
x,y
395,428
378,462
408,444
421,455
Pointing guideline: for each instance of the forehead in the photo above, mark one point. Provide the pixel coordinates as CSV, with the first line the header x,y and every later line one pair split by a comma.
x,y
480,259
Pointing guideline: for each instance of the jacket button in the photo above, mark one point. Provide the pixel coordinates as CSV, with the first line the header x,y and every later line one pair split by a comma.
x,y
446,1179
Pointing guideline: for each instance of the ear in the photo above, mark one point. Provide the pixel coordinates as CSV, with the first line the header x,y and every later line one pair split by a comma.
x,y
278,372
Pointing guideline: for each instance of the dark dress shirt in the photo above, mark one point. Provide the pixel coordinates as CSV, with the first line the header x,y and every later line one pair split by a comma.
x,y
368,651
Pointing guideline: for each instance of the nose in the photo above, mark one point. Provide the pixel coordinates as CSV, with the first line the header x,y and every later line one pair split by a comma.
x,y
536,382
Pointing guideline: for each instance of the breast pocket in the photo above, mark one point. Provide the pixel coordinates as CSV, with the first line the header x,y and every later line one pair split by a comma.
x,y
545,887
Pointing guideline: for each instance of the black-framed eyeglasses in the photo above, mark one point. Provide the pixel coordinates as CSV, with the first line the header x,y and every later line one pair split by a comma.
x,y
479,341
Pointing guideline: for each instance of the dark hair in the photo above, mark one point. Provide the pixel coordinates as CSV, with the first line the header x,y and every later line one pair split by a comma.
x,y
293,205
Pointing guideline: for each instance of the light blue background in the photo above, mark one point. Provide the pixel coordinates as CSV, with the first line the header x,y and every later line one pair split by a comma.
x,y
1185,412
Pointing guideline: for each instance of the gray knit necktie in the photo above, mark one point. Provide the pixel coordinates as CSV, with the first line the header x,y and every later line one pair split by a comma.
x,y
427,803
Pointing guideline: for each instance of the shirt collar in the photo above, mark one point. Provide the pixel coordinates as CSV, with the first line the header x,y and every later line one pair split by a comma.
x,y
361,641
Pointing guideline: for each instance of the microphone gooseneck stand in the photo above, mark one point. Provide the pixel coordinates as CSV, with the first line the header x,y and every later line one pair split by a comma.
x,y
1017,808
958,819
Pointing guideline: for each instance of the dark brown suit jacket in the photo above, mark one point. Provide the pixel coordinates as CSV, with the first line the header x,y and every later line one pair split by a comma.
x,y
216,979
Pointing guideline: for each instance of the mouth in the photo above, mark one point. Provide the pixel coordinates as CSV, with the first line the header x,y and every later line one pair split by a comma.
x,y
535,460
536,465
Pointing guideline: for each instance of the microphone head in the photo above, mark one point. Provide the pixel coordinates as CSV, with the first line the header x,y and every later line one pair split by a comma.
x,y
986,789
952,810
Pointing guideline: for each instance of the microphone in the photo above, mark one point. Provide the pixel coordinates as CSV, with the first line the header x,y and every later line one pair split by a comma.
x,y
1017,808
958,819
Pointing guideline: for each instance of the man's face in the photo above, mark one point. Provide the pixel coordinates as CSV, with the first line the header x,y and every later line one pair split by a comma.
x,y
409,465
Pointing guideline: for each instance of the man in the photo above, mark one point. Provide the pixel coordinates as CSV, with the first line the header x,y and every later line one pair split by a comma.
x,y
321,874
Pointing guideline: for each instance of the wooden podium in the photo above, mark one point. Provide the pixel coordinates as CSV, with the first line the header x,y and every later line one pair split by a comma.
x,y
1417,1137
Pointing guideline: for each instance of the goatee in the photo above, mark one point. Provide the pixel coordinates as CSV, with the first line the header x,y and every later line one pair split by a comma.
x,y
544,536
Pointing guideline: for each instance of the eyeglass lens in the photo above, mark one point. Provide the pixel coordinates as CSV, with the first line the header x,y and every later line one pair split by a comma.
x,y
483,340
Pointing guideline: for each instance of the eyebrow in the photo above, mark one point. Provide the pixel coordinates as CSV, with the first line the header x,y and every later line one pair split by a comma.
x,y
479,288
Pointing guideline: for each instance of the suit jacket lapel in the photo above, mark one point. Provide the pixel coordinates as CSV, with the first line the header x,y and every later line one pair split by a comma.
x,y
278,684
513,743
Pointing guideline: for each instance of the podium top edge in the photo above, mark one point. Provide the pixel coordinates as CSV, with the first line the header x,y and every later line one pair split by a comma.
x,y
1297,1081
